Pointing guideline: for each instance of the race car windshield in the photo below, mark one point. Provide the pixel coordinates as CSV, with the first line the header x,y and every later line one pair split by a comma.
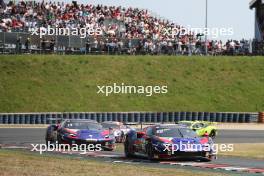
x,y
188,133
83,125
168,132
186,124
114,126
176,133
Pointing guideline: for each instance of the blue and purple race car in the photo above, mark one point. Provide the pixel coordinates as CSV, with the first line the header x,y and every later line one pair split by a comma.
x,y
80,132
169,141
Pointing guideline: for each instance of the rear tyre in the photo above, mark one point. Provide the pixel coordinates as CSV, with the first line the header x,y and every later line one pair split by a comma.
x,y
129,153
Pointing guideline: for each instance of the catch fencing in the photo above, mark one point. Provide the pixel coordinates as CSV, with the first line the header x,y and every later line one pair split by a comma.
x,y
22,42
128,117
16,43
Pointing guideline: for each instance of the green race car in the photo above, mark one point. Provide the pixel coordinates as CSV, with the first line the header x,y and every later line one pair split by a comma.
x,y
202,128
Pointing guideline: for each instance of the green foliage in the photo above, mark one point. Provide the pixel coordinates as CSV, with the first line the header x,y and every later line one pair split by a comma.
x,y
45,83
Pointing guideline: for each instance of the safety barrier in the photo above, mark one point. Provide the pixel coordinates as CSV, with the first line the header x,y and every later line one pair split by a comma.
x,y
129,117
261,117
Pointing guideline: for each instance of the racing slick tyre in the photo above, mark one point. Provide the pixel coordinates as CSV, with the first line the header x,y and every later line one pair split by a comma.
x,y
108,149
129,153
212,134
50,141
123,137
208,158
150,151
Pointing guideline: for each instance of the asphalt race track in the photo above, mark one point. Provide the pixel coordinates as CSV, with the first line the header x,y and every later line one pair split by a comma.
x,y
20,136
27,136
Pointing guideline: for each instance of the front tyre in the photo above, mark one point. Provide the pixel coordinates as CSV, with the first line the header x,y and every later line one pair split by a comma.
x,y
209,158
212,134
123,137
150,151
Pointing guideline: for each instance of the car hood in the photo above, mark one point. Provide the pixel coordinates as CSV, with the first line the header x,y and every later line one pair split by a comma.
x,y
93,134
185,144
196,140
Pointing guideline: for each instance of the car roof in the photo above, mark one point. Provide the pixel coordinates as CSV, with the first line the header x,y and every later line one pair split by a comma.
x,y
187,121
112,122
80,120
169,126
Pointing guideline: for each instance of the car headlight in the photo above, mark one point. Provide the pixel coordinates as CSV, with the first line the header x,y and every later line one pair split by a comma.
x,y
70,134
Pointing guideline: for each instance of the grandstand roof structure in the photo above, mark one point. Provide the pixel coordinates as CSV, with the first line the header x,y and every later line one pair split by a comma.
x,y
254,2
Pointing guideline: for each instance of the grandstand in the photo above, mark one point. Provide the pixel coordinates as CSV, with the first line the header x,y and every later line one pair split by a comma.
x,y
258,5
124,31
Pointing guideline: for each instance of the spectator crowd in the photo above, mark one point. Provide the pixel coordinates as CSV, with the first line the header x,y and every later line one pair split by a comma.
x,y
125,30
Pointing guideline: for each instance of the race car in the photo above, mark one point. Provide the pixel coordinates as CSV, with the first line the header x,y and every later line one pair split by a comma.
x,y
119,129
80,132
202,128
168,142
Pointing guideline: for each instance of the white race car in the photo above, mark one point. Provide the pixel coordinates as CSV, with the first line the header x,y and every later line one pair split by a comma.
x,y
119,129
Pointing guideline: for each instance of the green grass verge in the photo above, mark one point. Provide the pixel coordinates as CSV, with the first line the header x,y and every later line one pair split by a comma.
x,y
246,151
40,83
17,163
